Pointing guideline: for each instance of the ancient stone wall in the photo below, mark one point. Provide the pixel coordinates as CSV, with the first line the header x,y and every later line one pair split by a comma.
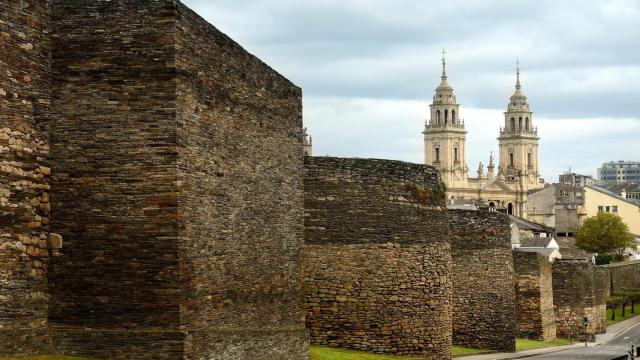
x,y
483,280
376,258
577,293
239,133
177,184
24,177
535,316
624,276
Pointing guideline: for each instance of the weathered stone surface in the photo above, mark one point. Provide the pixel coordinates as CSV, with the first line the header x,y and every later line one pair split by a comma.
x,y
24,181
177,187
577,293
535,316
483,280
376,259
622,277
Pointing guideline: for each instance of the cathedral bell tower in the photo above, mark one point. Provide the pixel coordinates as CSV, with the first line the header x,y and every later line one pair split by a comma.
x,y
444,136
518,141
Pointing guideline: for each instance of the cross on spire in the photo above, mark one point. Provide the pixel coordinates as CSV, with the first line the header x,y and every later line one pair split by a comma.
x,y
444,64
517,72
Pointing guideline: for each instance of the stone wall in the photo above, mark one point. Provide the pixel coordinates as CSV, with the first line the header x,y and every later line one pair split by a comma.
x,y
376,258
535,316
239,133
177,185
577,293
24,177
483,280
622,277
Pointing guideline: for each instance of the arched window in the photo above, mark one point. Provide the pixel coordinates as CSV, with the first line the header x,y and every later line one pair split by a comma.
x,y
520,124
437,154
492,206
513,124
438,117
453,117
446,116
527,123
511,159
510,209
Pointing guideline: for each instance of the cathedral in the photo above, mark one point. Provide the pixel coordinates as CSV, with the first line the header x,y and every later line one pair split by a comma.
x,y
518,165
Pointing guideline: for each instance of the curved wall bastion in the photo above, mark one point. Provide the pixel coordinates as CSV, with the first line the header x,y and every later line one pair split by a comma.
x,y
376,257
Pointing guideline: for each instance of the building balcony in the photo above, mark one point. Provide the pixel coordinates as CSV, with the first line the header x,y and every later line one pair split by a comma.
x,y
532,131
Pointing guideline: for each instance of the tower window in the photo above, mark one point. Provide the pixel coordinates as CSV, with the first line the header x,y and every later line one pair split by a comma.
x,y
437,154
453,117
438,117
455,154
520,124
511,159
529,164
527,123
513,124
446,116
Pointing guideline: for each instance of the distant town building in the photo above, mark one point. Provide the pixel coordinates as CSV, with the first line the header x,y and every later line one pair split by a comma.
x,y
518,164
620,171
560,206
629,191
307,143
599,199
578,180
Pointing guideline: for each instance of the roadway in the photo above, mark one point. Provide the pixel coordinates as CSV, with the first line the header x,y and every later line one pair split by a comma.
x,y
616,346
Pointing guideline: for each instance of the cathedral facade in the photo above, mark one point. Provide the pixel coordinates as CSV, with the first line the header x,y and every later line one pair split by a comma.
x,y
505,188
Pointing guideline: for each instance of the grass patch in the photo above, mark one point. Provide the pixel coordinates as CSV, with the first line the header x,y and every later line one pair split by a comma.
x,y
327,353
627,314
464,351
527,344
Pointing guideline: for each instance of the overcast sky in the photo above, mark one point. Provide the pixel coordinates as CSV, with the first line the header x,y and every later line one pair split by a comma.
x,y
368,70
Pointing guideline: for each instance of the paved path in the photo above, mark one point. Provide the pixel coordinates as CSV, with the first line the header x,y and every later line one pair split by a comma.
x,y
615,342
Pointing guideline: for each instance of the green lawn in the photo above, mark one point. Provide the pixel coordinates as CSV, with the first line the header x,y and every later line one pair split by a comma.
x,y
327,353
464,351
619,318
526,344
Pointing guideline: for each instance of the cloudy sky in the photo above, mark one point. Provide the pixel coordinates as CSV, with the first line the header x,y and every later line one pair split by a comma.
x,y
368,70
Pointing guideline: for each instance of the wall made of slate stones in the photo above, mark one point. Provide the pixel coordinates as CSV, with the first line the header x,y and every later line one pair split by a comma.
x,y
483,280
376,257
116,290
623,277
239,134
24,177
578,293
535,316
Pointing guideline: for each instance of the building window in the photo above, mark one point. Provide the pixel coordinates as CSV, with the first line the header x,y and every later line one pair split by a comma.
x,y
527,123
529,163
513,124
438,117
453,117
455,154
437,154
520,124
614,208
607,209
600,208
446,116
511,159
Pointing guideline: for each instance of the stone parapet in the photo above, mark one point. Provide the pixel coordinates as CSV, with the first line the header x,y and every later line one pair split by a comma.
x,y
483,280
376,258
535,316
24,177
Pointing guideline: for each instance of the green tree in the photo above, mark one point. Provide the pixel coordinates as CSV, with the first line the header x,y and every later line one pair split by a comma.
x,y
604,233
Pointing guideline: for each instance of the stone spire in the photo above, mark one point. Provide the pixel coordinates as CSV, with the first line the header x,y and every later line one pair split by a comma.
x,y
518,101
307,143
444,85
490,168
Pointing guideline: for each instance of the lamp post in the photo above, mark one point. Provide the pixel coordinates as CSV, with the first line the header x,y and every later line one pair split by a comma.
x,y
585,321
